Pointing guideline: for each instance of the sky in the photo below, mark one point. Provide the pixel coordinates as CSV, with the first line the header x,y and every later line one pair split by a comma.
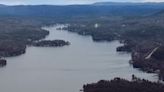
x,y
66,2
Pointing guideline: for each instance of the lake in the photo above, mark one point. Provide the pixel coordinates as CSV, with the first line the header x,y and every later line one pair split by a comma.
x,y
66,69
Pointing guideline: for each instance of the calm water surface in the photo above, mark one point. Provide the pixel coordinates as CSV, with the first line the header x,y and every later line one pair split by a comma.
x,y
66,69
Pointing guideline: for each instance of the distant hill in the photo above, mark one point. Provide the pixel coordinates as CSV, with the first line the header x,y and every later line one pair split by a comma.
x,y
160,13
115,3
97,9
128,3
2,5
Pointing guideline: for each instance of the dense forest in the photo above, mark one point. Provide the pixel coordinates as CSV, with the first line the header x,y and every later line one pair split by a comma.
x,y
140,27
16,34
122,85
50,43
142,36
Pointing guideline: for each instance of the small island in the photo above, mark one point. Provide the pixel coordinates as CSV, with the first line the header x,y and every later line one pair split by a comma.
x,y
3,62
51,43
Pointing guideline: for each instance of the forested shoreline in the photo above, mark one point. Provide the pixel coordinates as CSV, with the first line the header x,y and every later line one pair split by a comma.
x,y
140,36
141,33
122,85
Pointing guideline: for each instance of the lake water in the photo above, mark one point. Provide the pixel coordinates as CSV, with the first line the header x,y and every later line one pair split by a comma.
x,y
66,69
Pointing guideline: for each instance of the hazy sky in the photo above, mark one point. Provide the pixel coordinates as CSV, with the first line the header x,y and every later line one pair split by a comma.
x,y
61,2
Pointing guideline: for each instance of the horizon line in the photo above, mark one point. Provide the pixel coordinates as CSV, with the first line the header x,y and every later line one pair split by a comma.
x,y
112,2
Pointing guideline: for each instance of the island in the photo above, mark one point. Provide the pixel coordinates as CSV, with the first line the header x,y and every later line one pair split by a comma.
x,y
140,27
3,62
141,32
51,43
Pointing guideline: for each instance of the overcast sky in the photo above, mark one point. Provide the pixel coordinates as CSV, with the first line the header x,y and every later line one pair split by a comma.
x,y
65,2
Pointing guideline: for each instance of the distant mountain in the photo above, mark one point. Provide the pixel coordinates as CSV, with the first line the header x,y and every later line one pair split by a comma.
x,y
113,3
160,13
97,9
2,5
128,3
